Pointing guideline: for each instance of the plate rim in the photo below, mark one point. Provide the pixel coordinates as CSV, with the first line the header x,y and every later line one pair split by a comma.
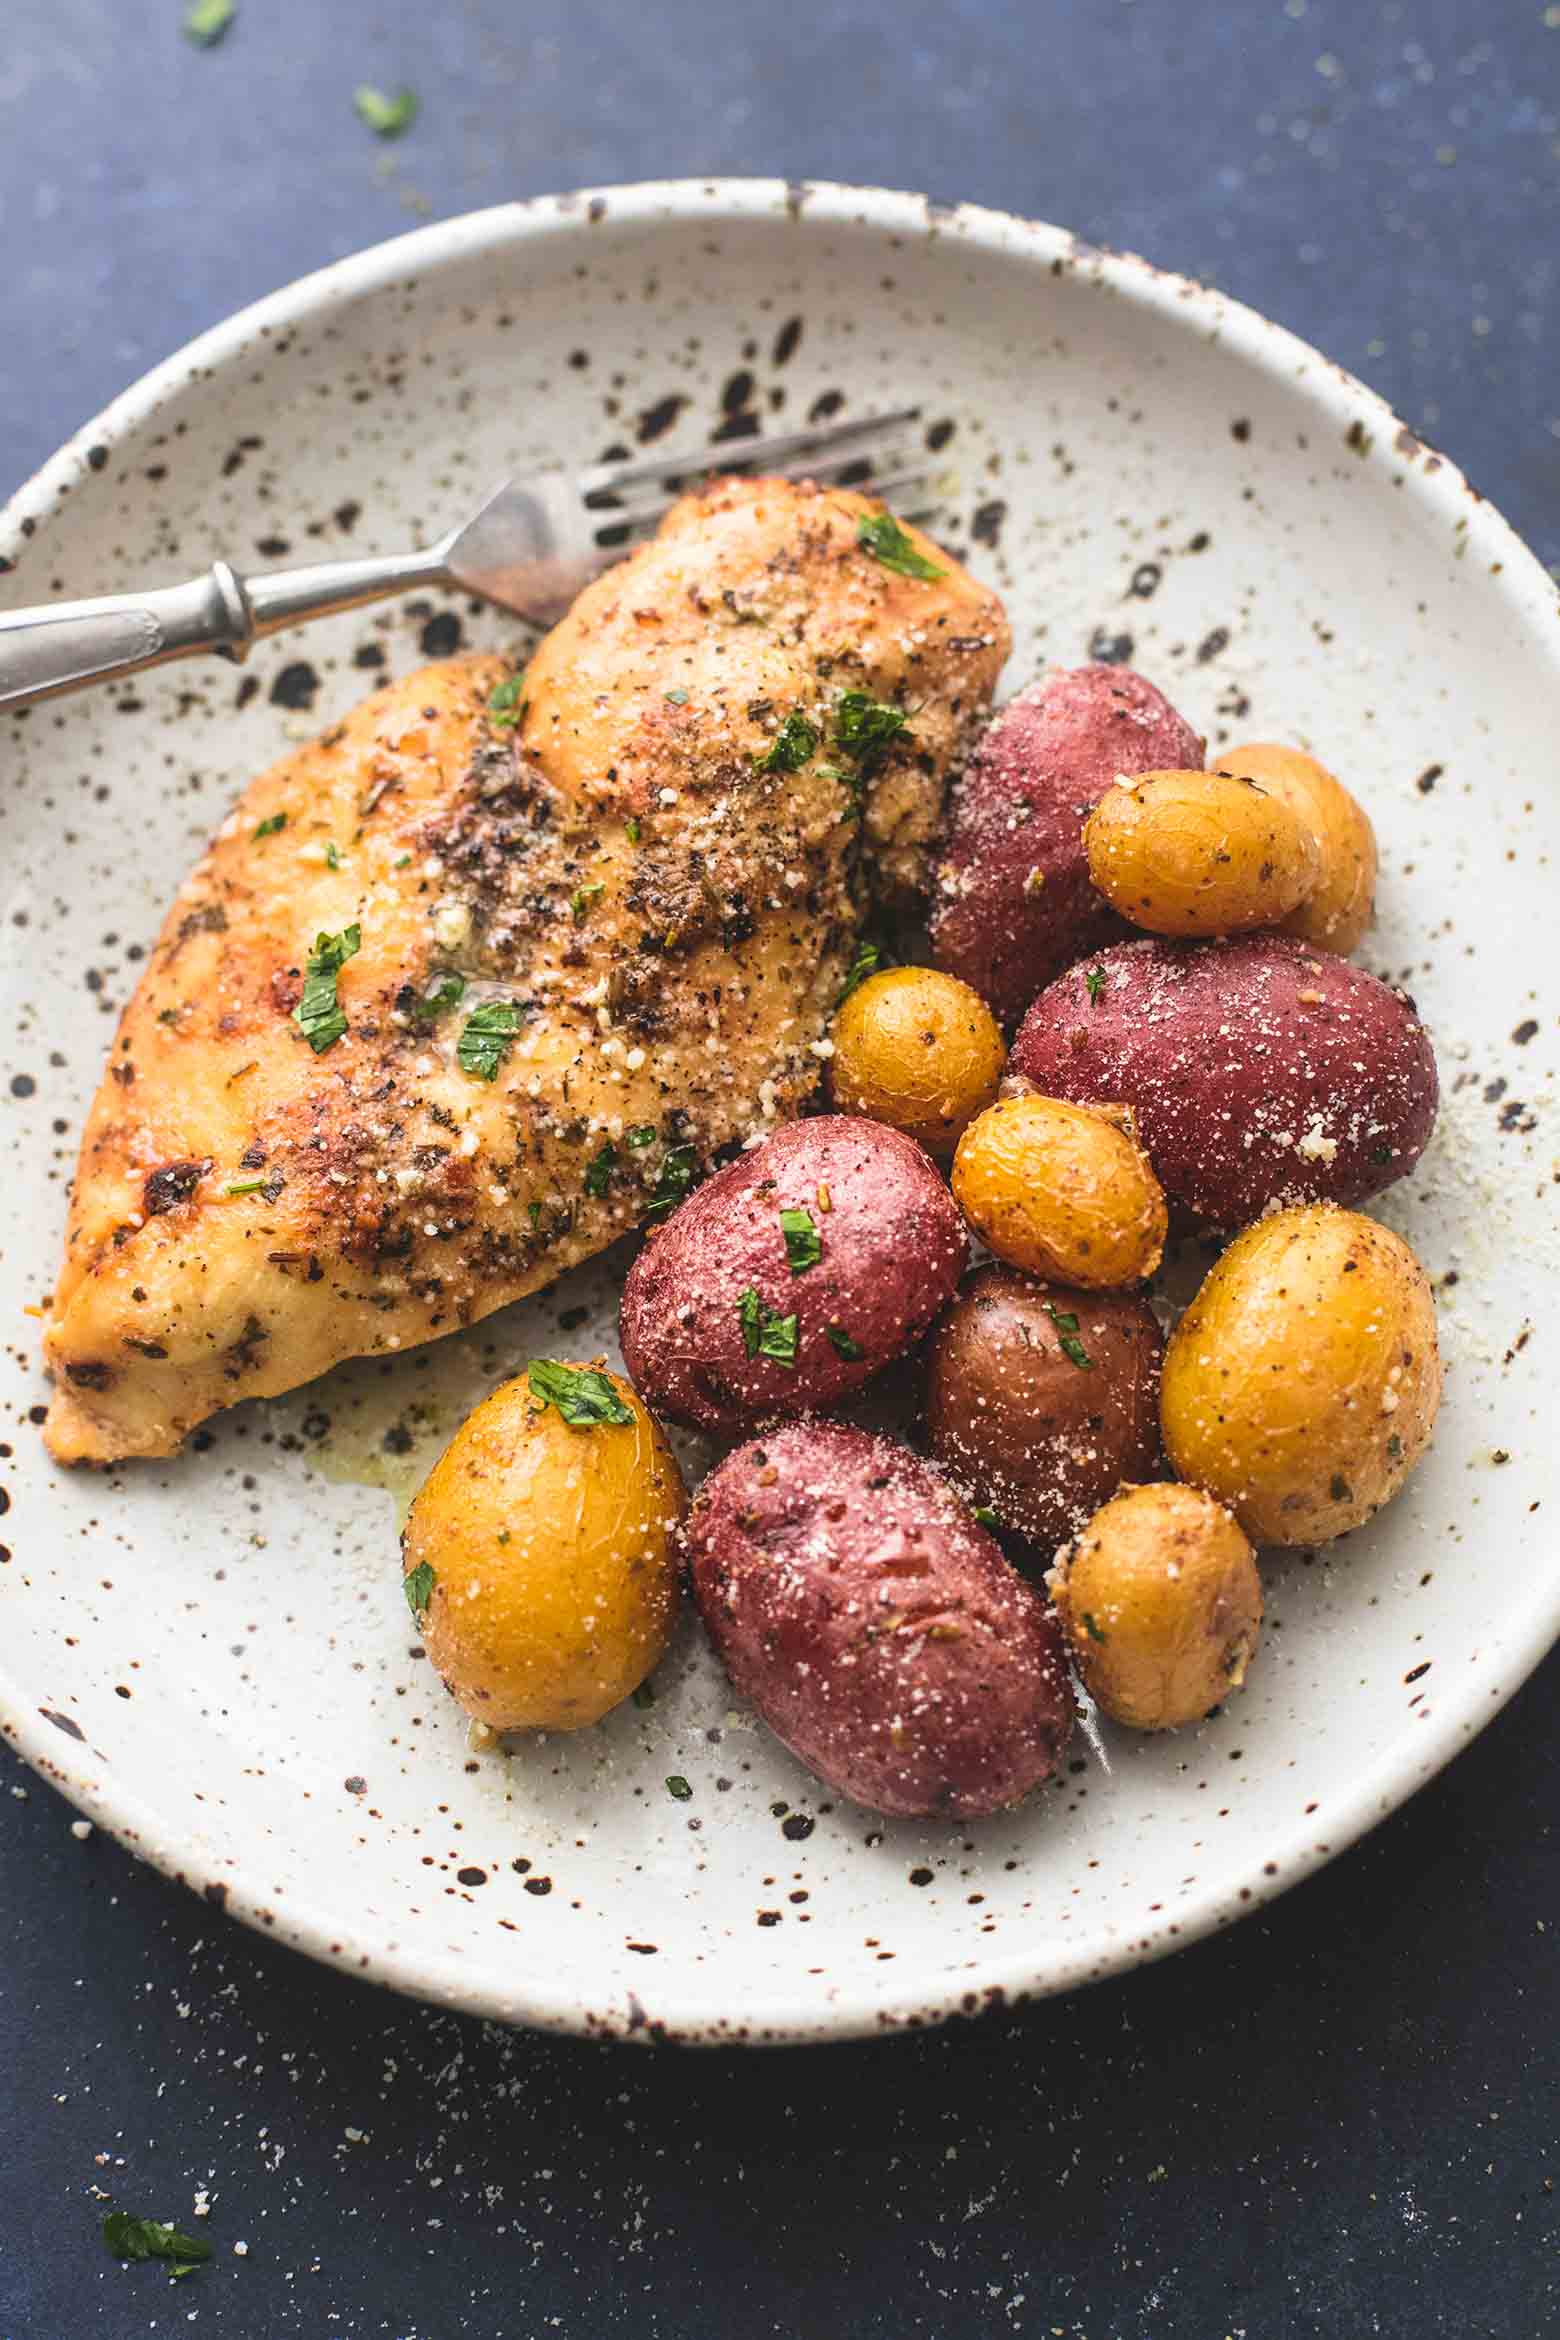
x,y
1526,1630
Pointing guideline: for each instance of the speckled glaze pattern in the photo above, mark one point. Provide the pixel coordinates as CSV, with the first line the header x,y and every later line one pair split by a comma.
x,y
213,1657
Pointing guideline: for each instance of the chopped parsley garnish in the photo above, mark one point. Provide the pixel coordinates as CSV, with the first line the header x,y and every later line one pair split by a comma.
x,y
869,960
1394,1446
1092,1629
205,22
269,826
631,828
1094,983
675,698
1381,1153
418,1584
487,1037
672,1186
581,899
243,1186
332,854
638,1138
129,2237
986,1516
584,1397
803,1243
793,743
317,1015
678,1788
1066,1324
765,1332
599,1169
842,1344
881,536
387,117
864,727
445,992
505,704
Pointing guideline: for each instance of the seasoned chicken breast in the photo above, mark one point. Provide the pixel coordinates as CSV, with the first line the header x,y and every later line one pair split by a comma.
x,y
492,970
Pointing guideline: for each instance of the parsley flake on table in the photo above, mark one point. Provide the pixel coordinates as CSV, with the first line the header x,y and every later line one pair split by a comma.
x,y
672,1186
418,1584
1066,1324
269,826
487,1037
207,21
584,1397
880,534
387,117
318,1015
803,1243
129,2237
677,1788
793,743
765,1332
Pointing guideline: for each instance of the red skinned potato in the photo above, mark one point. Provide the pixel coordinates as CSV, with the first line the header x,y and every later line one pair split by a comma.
x,y
878,1631
1261,1071
792,1276
1041,1399
1013,904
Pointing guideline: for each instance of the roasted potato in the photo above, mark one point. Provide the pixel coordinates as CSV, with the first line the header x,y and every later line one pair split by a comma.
x,y
1041,1399
1063,1190
918,1050
795,1274
1261,1071
1013,904
1196,853
1161,1603
1336,912
537,1556
875,1627
1301,1385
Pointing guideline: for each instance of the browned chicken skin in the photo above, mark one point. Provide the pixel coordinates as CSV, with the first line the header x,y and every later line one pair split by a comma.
x,y
652,857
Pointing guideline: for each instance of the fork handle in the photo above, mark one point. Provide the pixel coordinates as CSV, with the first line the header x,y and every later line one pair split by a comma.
x,y
62,645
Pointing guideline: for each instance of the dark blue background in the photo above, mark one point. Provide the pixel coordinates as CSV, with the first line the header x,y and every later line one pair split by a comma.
x,y
1338,2120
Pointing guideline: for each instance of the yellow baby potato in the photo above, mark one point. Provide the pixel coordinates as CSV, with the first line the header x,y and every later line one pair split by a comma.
x,y
1197,853
1301,1385
1335,914
919,1050
1062,1190
537,1557
1162,1603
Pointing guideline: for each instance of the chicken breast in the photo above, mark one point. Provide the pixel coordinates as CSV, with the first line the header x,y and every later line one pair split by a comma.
x,y
492,970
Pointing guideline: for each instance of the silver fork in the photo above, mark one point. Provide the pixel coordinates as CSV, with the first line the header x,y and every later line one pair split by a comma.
x,y
530,548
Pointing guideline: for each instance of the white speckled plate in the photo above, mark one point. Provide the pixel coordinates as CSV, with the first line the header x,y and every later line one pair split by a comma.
x,y
212,1656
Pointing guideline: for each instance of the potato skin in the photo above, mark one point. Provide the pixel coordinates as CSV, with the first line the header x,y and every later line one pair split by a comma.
x,y
877,1630
1260,1071
1018,1424
893,1249
556,1581
1335,914
1162,1604
1018,816
1199,853
1062,1190
1301,1386
919,1050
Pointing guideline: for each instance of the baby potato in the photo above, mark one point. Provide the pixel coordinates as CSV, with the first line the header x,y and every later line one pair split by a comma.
x,y
1199,853
1301,1385
919,1050
1062,1190
1161,1602
537,1556
1336,912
